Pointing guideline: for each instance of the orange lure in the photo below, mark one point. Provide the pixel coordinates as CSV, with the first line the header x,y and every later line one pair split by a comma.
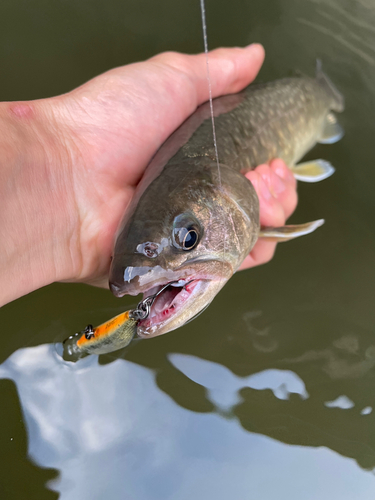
x,y
110,336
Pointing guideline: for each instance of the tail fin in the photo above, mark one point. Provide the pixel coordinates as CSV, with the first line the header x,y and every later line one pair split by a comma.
x,y
338,101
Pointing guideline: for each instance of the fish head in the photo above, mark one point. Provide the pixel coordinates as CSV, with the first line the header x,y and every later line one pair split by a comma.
x,y
188,229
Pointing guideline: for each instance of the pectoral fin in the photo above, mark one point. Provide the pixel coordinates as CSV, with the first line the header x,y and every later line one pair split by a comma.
x,y
332,131
313,171
286,233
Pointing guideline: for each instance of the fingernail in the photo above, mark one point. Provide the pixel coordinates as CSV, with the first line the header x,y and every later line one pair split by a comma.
x,y
281,172
252,44
256,47
277,184
264,191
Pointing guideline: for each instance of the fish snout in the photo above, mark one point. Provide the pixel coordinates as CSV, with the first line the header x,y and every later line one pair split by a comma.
x,y
127,280
121,289
140,277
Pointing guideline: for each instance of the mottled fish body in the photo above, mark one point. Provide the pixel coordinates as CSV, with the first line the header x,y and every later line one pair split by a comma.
x,y
193,222
280,119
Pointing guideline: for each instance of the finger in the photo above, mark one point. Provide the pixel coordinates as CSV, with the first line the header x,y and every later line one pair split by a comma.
x,y
230,70
281,169
281,184
262,253
287,197
274,183
277,199
271,212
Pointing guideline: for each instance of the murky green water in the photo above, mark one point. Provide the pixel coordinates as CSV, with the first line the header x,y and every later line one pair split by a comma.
x,y
271,392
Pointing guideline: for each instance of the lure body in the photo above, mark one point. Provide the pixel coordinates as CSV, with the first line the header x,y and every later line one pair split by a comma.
x,y
110,336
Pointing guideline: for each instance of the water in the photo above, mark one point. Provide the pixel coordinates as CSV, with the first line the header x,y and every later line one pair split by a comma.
x,y
270,393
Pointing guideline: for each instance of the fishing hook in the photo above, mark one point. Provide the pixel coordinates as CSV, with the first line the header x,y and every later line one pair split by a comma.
x,y
143,308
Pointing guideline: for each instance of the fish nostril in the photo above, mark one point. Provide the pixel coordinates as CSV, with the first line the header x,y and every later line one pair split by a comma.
x,y
149,249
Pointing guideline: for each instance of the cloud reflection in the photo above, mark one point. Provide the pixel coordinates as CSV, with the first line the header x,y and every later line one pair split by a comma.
x,y
114,434
223,385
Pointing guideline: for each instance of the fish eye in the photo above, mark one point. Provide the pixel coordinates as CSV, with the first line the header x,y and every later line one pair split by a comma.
x,y
185,232
185,238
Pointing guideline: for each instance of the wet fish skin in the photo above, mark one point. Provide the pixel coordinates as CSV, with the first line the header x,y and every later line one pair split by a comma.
x,y
282,119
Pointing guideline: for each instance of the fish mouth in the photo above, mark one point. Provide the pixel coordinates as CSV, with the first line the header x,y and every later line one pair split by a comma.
x,y
182,293
174,306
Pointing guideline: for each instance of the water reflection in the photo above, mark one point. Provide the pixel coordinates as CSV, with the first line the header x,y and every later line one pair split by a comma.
x,y
223,386
342,402
110,430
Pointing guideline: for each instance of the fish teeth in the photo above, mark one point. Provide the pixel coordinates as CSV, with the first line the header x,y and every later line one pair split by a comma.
x,y
179,283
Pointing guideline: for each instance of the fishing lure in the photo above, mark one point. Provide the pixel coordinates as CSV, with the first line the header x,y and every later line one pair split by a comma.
x,y
112,335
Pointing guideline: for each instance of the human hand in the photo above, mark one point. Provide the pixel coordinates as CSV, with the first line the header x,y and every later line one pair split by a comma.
x,y
276,188
120,119
81,155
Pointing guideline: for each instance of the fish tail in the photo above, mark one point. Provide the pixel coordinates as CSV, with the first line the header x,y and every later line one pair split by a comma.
x,y
338,102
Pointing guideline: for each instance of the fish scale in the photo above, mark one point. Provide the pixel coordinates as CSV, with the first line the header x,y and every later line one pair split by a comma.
x,y
276,119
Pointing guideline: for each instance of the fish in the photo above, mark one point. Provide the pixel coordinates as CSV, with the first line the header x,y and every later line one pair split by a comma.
x,y
190,223
110,336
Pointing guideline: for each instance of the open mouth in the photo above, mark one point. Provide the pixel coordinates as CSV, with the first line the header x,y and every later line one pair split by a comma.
x,y
167,303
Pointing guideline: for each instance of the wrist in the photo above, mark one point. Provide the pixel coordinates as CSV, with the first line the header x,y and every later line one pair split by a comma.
x,y
34,199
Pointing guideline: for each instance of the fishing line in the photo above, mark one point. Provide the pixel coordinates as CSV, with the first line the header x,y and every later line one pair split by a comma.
x,y
204,28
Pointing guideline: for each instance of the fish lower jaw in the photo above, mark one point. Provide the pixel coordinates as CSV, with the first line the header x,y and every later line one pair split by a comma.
x,y
167,305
